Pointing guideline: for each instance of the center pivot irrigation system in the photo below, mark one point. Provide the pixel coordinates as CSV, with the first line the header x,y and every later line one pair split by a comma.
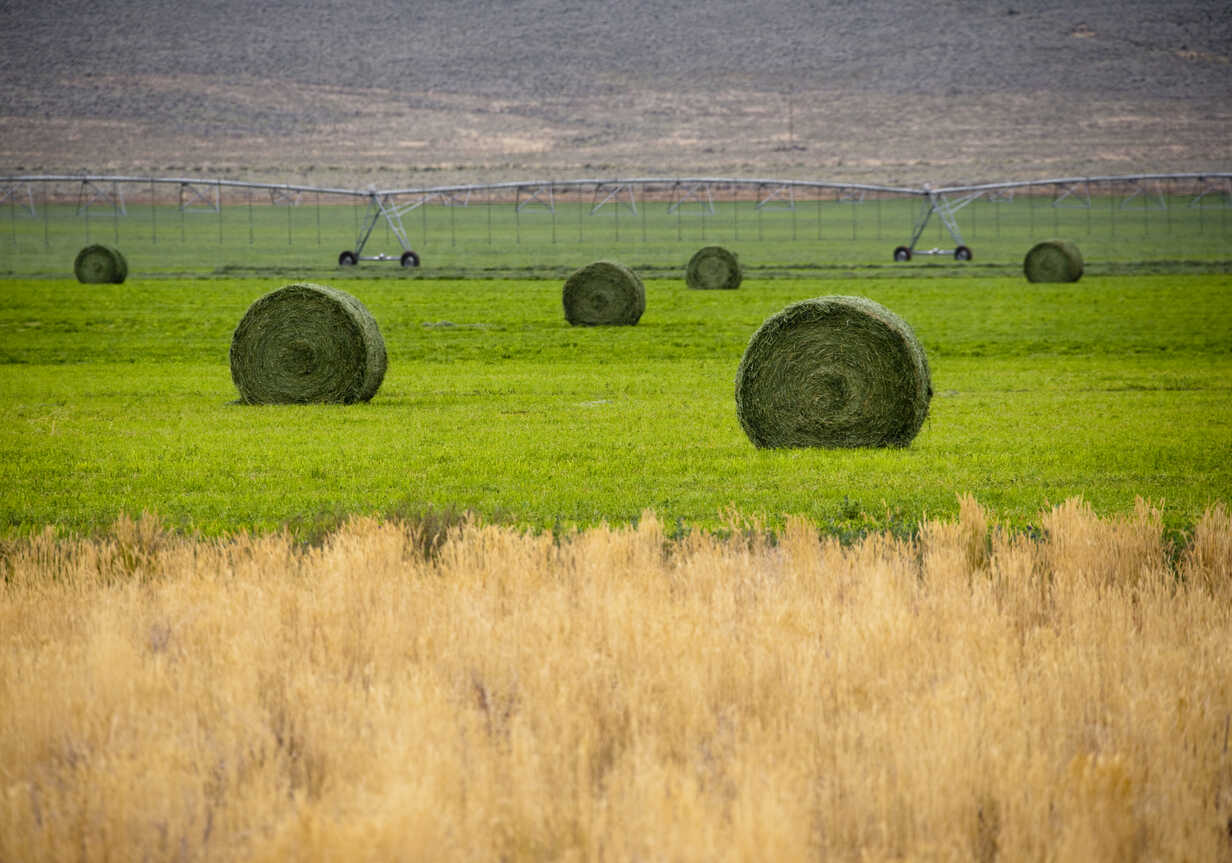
x,y
1141,191
944,202
772,194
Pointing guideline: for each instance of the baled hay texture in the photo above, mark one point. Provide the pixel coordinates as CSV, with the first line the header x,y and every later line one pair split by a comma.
x,y
1053,261
307,343
833,372
713,268
99,264
604,293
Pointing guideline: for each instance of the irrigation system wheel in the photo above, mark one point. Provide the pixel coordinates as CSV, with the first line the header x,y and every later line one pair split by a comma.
x,y
410,259
902,253
962,253
348,259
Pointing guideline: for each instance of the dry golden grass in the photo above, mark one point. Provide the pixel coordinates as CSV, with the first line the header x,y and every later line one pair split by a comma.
x,y
614,696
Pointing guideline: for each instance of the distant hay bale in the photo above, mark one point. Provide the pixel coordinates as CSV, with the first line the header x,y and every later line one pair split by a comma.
x,y
1053,261
713,268
306,343
603,293
833,372
99,264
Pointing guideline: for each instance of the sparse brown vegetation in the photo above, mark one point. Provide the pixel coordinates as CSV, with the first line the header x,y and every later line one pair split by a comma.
x,y
616,695
905,91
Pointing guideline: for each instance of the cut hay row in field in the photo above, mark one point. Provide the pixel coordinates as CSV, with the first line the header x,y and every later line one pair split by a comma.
x,y
487,694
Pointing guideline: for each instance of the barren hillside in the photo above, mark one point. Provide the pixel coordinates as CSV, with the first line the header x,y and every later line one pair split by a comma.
x,y
377,91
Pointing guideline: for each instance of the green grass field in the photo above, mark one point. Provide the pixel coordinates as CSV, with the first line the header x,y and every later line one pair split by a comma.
x,y
119,399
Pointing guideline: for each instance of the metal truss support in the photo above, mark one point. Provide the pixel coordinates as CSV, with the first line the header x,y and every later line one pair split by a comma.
x,y
541,195
415,204
778,197
945,208
682,194
199,198
18,195
614,192
447,199
383,206
1078,194
1150,201
91,193
1215,194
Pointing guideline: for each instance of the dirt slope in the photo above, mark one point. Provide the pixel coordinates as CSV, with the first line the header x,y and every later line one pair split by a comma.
x,y
404,93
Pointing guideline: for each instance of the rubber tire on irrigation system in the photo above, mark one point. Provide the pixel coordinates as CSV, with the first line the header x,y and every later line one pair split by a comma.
x,y
348,259
962,253
410,259
902,253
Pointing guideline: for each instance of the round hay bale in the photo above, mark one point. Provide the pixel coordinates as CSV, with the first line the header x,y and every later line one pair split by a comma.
x,y
306,343
713,268
1053,261
99,264
833,372
603,293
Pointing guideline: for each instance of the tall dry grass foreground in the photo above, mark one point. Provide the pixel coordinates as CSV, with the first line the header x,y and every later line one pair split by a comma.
x,y
614,696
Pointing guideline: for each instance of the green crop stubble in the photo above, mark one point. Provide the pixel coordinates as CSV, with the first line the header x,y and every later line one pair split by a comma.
x,y
116,398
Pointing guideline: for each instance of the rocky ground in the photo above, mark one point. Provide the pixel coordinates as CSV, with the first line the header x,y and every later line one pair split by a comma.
x,y
408,94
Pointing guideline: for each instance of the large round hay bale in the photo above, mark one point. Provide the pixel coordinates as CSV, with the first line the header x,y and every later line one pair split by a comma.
x,y
306,343
603,293
833,372
713,268
1053,261
99,264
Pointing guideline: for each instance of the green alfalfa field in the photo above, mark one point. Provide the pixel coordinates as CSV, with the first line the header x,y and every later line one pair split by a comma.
x,y
118,399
